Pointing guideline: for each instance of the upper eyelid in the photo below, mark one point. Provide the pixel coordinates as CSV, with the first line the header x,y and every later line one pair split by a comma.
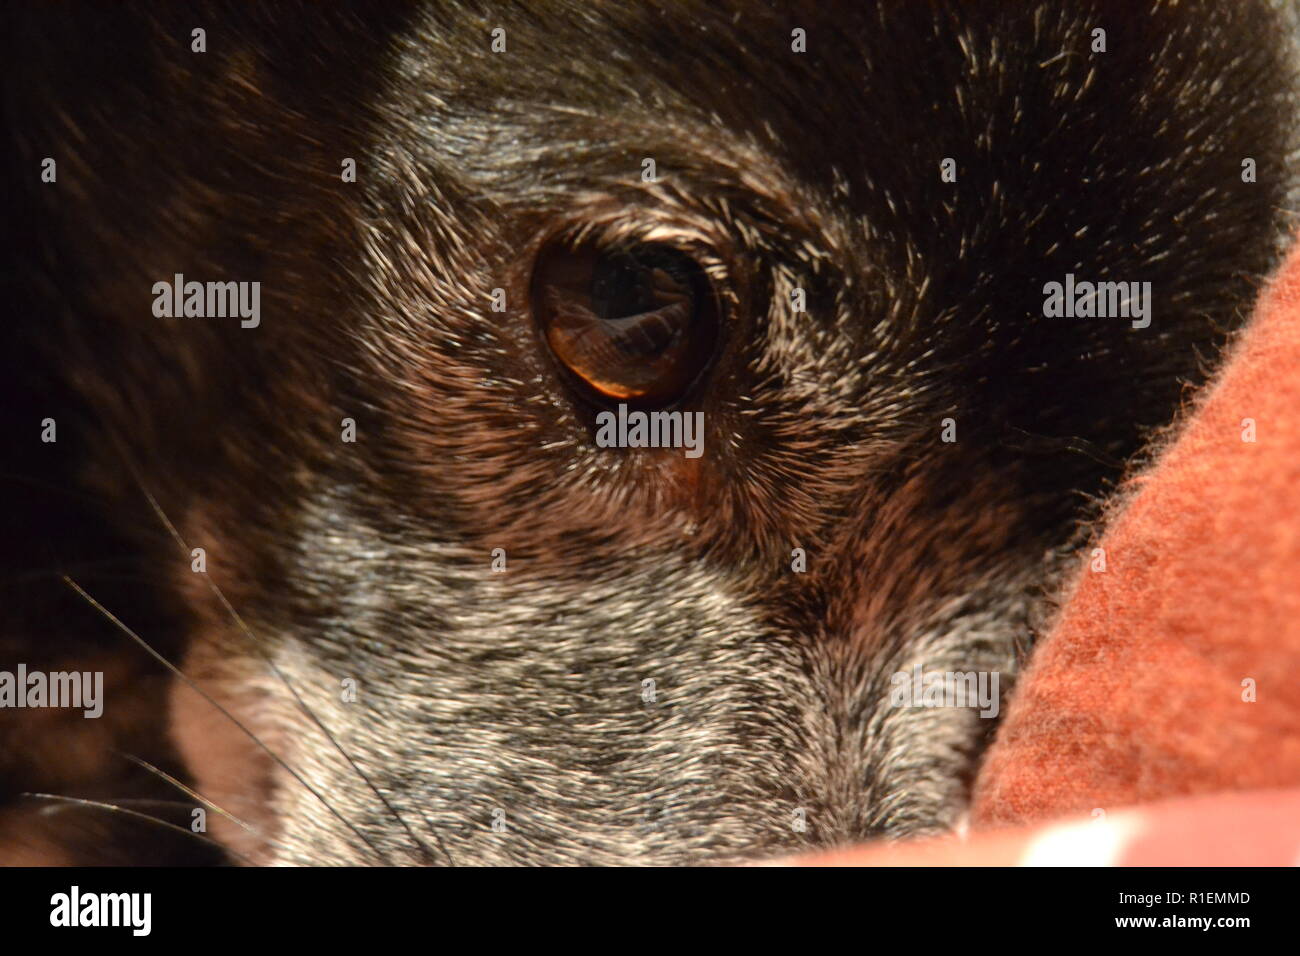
x,y
625,234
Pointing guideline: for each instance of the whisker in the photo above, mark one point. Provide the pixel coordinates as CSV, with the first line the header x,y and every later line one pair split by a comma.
x,y
302,704
229,716
82,802
249,828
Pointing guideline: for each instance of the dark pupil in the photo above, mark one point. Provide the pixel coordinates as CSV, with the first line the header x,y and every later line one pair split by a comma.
x,y
623,286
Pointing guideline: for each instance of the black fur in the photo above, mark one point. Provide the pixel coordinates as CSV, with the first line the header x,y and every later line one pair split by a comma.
x,y
521,692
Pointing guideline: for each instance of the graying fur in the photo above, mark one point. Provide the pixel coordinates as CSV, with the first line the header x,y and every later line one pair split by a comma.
x,y
522,691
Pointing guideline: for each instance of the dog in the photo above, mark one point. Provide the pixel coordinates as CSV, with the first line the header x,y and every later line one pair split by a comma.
x,y
318,313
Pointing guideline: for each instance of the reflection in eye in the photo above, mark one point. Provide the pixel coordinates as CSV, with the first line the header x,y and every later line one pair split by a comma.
x,y
636,325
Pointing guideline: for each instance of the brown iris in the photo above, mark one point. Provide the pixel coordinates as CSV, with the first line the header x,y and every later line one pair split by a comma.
x,y
636,324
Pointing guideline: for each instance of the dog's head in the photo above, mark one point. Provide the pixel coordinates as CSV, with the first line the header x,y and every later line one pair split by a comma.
x,y
827,229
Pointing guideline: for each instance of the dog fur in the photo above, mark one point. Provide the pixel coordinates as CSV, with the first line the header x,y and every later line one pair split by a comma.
x,y
517,697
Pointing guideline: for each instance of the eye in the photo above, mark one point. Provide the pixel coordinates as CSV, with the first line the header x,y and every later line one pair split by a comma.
x,y
637,324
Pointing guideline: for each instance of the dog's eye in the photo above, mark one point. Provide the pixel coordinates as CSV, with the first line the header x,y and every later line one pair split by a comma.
x,y
637,324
